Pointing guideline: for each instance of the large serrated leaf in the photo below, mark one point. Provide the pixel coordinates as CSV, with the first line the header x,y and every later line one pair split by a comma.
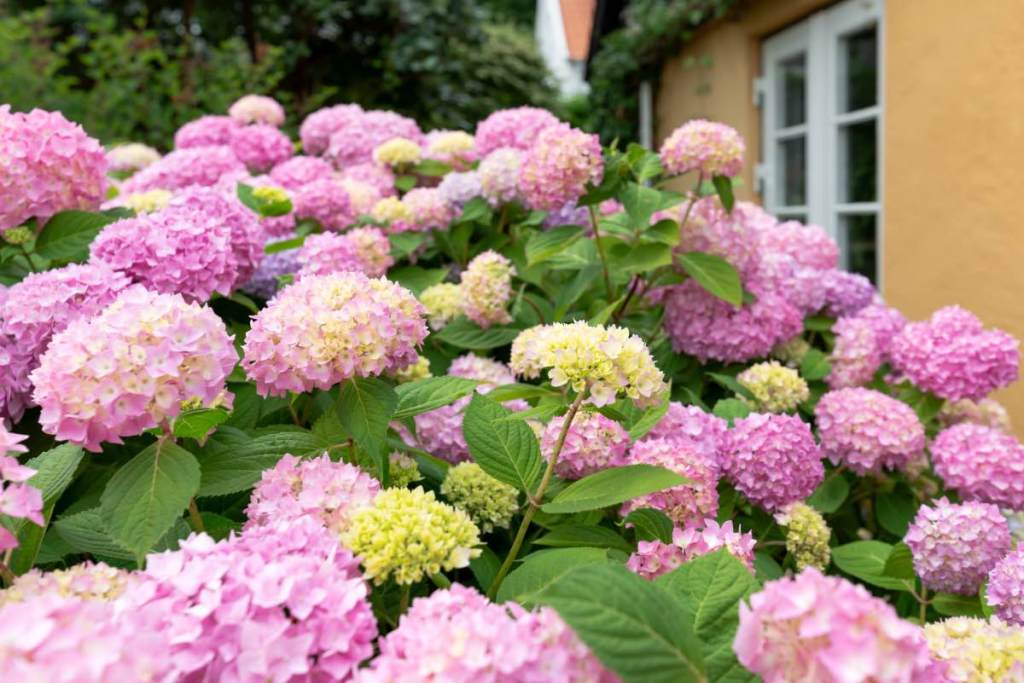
x,y
613,486
463,334
714,274
429,393
541,569
232,461
365,406
66,236
505,449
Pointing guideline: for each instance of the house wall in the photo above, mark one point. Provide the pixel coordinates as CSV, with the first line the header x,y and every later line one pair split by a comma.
x,y
953,132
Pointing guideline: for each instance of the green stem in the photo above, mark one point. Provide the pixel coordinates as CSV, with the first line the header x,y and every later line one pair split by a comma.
x,y
403,602
28,258
195,517
536,500
600,252
924,604
6,574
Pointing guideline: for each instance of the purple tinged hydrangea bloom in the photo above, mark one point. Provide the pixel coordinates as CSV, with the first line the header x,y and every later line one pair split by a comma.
x,y
206,131
499,175
593,443
48,164
557,168
654,558
353,143
325,329
862,344
364,250
516,128
297,171
954,357
326,201
261,146
131,367
184,167
773,460
15,389
1005,591
258,109
868,431
956,545
809,245
706,146
685,504
264,283
981,463
458,188
317,128
845,293
568,214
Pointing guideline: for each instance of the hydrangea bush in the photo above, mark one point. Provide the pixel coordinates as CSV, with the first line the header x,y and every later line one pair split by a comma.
x,y
386,404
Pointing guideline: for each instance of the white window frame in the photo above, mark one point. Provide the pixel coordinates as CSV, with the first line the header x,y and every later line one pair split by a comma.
x,y
819,38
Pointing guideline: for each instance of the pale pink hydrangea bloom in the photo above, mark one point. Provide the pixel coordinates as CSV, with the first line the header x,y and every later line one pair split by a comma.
x,y
685,504
654,558
867,430
184,167
486,287
362,196
17,499
981,463
365,250
516,128
261,147
1005,590
987,412
706,146
279,603
499,175
381,178
326,491
773,460
428,209
85,581
458,188
353,143
48,164
956,545
326,201
855,356
456,148
557,168
258,109
706,431
296,172
131,157
206,131
317,128
824,629
130,368
325,329
593,443
954,357
809,245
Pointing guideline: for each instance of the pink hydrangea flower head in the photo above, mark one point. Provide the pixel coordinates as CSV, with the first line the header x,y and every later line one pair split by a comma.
x,y
45,303
981,463
705,146
499,175
131,157
458,188
85,581
365,250
258,109
49,164
1005,591
294,173
131,367
206,131
867,430
856,355
261,146
362,196
706,431
702,325
812,627
956,545
428,208
319,488
379,177
279,603
593,443
325,329
486,286
987,412
845,293
809,245
317,128
184,167
557,168
15,389
516,128
17,498
685,504
325,201
885,321
654,558
773,460
954,357
354,142
488,372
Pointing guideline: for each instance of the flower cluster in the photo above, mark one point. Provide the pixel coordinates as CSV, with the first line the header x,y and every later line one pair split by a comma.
x,y
499,175
265,282
458,188
976,650
981,463
206,131
142,202
427,210
325,329
364,250
685,504
317,128
706,432
987,412
807,536
397,152
261,146
131,157
130,368
516,128
593,443
557,167
485,289
86,581
326,201
257,109
867,430
654,558
776,388
606,361
491,504
1005,592
362,132
443,302
17,498
184,167
452,147
699,145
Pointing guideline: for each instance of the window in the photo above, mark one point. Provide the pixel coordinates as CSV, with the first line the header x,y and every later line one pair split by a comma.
x,y
821,116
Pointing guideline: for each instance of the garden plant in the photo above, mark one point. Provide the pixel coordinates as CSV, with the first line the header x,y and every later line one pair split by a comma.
x,y
387,405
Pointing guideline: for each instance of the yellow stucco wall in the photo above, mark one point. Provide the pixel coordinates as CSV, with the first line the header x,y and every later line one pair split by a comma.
x,y
953,213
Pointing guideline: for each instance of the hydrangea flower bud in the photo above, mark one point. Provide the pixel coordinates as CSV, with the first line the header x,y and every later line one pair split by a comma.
x,y
489,503
807,536
776,388
442,302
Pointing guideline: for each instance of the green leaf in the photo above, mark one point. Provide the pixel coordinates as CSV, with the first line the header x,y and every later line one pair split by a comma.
x,y
900,563
650,524
640,203
67,236
485,568
432,167
714,274
544,245
866,560
640,258
196,424
232,461
613,486
405,243
86,533
476,210
712,586
602,316
463,334
505,449
831,494
958,605
581,253
424,395
766,568
584,535
895,511
666,231
632,625
539,570
509,392
365,406
815,365
416,279
404,183
730,409
723,186
284,245
819,323
219,527
145,496
649,418
731,383
264,207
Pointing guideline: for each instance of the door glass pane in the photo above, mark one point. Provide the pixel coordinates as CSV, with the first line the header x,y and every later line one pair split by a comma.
x,y
859,84
793,171
860,240
792,80
858,162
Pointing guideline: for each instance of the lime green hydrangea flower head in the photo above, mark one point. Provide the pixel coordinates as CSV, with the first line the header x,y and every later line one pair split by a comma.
x,y
397,152
791,352
18,235
776,388
490,503
407,535
443,302
807,536
978,651
402,470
